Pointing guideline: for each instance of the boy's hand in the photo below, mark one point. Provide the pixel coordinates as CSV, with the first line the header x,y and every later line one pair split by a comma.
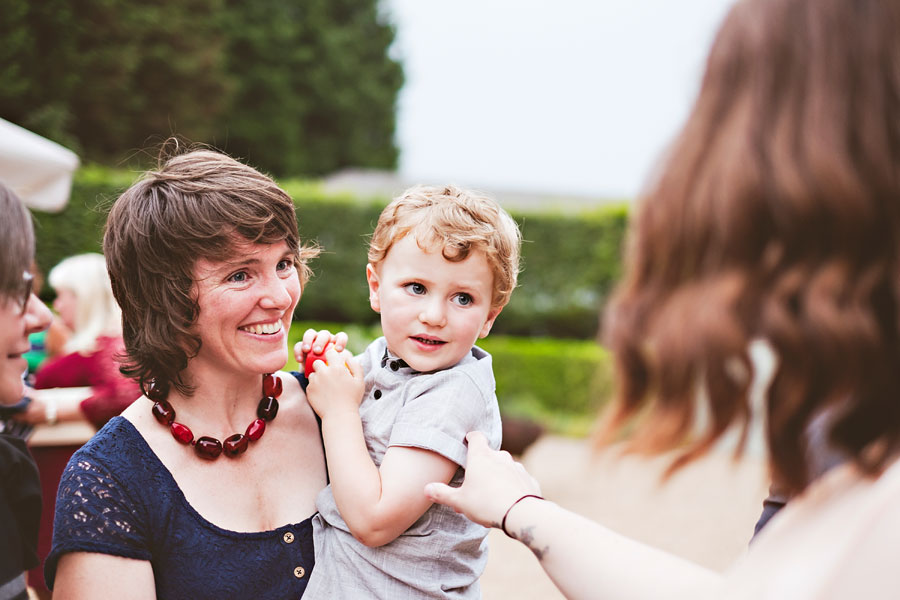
x,y
316,342
336,385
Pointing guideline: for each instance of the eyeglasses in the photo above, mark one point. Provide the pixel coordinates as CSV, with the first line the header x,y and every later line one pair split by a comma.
x,y
27,288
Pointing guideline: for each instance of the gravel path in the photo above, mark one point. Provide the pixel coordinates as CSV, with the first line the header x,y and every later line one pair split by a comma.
x,y
705,512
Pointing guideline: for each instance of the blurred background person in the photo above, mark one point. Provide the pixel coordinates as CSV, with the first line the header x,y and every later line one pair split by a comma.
x,y
85,305
21,314
761,286
48,343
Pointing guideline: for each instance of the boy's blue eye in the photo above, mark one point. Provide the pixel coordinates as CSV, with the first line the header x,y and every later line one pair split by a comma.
x,y
284,264
464,299
416,288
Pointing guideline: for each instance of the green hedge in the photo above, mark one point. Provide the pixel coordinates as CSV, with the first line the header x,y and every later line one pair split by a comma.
x,y
79,227
561,384
570,262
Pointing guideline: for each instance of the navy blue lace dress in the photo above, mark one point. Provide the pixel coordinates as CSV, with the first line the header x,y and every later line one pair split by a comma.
x,y
116,497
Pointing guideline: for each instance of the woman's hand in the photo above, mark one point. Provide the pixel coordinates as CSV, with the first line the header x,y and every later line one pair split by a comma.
x,y
494,481
54,404
37,410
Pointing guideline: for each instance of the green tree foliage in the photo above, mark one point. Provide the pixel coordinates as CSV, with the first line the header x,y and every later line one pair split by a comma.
x,y
106,76
35,78
353,83
293,86
315,89
166,74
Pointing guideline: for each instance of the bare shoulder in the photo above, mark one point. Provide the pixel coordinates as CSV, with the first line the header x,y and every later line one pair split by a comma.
x,y
836,540
139,414
293,405
867,566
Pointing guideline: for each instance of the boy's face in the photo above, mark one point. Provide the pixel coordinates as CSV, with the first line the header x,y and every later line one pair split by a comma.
x,y
432,310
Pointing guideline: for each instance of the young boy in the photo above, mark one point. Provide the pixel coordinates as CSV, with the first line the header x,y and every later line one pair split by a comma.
x,y
442,265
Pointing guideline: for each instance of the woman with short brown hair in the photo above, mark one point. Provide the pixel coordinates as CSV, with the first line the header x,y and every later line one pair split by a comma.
x,y
204,487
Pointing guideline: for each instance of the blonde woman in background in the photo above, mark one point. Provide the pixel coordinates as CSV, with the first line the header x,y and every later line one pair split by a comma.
x,y
85,305
84,302
48,344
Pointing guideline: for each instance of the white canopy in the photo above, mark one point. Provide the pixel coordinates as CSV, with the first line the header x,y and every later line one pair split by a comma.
x,y
38,170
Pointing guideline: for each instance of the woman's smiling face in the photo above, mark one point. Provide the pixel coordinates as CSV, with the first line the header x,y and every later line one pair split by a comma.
x,y
245,309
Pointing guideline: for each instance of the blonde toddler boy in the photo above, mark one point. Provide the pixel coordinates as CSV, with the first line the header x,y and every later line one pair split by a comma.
x,y
442,265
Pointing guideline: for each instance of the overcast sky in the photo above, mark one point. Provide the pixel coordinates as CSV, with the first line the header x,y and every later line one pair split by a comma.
x,y
560,96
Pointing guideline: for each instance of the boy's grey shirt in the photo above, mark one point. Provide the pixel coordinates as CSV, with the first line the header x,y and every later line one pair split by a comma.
x,y
443,554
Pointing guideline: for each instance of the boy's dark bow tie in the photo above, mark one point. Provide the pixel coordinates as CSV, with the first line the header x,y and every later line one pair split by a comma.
x,y
395,363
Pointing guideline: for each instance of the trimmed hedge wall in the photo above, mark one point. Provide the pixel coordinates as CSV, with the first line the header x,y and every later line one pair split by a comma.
x,y
78,227
570,262
561,384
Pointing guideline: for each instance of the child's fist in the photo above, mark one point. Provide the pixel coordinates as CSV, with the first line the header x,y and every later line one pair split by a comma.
x,y
314,345
312,357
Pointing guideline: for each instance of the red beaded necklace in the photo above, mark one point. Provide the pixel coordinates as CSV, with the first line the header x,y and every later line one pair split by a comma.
x,y
209,447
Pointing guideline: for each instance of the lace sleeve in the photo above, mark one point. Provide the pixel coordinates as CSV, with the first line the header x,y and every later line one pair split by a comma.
x,y
95,513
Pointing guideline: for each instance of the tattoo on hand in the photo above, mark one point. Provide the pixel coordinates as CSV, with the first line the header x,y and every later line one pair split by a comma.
x,y
527,537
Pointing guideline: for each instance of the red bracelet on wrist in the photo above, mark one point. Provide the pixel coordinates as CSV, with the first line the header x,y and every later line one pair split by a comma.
x,y
503,522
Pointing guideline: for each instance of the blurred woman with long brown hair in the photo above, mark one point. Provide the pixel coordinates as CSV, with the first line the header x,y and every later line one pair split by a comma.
x,y
771,235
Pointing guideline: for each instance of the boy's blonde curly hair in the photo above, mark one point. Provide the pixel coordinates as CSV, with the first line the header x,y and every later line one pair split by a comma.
x,y
457,221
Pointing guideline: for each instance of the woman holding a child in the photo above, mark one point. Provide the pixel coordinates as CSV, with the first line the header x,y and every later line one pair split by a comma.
x,y
205,487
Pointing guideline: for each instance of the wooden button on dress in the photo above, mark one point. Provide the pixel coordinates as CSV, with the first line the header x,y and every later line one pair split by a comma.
x,y
299,572
288,538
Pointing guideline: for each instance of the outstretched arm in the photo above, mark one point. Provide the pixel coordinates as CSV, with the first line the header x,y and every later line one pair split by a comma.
x,y
377,503
584,559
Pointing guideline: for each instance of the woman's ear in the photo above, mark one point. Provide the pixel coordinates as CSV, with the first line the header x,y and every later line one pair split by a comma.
x,y
372,278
